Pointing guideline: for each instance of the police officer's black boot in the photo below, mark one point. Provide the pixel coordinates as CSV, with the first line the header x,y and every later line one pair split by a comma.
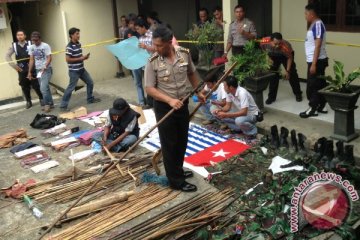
x,y
294,141
328,154
319,148
28,104
339,157
284,133
275,140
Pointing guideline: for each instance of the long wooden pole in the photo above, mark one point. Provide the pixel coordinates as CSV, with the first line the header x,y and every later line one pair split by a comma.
x,y
115,163
214,88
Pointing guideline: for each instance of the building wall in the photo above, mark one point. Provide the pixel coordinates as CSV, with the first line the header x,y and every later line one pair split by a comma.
x,y
9,83
288,18
93,17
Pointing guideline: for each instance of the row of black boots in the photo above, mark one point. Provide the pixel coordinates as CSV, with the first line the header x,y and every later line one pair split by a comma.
x,y
325,154
281,140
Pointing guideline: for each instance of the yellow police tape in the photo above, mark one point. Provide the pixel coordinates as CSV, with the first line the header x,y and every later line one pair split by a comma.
x,y
62,51
179,41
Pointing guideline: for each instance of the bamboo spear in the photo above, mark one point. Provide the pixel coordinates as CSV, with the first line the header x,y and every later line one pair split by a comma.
x,y
114,164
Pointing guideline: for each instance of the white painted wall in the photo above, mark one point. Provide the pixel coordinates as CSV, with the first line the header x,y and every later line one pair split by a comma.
x,y
9,78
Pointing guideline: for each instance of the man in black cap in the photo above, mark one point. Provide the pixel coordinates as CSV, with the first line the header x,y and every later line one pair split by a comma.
x,y
121,129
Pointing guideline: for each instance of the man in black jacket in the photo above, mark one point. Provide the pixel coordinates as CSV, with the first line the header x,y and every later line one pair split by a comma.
x,y
20,48
122,129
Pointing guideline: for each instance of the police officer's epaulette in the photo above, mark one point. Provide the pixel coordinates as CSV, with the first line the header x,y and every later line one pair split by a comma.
x,y
154,56
185,50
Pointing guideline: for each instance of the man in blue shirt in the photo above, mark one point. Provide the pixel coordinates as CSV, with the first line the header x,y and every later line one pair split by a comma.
x,y
75,60
317,61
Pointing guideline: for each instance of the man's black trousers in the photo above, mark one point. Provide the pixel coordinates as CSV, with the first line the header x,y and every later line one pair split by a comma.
x,y
274,82
315,82
173,134
26,85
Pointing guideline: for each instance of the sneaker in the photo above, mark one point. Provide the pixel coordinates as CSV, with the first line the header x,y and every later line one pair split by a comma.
x,y
120,75
64,109
298,97
309,113
207,122
47,108
223,126
322,109
28,105
144,107
94,100
269,101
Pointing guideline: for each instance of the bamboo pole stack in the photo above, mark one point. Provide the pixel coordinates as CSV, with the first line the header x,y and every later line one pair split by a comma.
x,y
149,198
63,189
183,219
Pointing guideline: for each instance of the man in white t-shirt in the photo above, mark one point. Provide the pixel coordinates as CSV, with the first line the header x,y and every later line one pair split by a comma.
x,y
317,61
245,115
216,100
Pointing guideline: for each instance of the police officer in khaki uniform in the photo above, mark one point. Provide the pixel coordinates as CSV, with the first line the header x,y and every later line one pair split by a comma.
x,y
166,76
241,30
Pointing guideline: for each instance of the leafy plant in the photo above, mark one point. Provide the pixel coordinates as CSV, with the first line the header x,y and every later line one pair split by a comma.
x,y
253,62
205,36
341,83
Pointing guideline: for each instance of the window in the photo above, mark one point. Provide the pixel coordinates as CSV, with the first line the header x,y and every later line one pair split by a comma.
x,y
340,15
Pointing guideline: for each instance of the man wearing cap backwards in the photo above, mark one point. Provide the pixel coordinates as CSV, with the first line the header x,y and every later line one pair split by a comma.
x,y
166,79
121,129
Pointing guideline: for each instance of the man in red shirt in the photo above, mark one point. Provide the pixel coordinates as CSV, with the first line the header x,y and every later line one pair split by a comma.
x,y
281,53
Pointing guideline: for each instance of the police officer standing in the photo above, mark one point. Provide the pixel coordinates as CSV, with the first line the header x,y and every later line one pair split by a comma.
x,y
166,76
20,48
241,30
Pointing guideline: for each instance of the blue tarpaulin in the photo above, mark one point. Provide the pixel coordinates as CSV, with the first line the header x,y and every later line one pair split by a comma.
x,y
129,54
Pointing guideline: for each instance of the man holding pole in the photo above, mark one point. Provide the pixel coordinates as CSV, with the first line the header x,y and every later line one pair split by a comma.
x,y
166,76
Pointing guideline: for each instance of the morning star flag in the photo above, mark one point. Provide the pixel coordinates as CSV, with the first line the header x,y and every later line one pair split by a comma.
x,y
129,54
217,153
199,139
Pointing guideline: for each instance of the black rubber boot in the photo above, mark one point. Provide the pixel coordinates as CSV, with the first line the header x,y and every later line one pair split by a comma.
x,y
349,155
284,133
328,154
340,155
302,139
275,140
294,141
319,148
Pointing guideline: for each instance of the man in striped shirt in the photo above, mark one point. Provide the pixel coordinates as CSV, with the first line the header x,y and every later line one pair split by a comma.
x,y
75,60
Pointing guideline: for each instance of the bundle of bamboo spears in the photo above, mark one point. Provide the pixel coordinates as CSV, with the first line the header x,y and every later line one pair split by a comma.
x,y
62,189
183,219
137,204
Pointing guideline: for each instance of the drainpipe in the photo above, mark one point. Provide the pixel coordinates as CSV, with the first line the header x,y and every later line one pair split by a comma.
x,y
116,27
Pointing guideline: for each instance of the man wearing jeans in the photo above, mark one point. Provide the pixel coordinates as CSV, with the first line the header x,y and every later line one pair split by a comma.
x,y
75,60
145,42
40,56
121,129
245,116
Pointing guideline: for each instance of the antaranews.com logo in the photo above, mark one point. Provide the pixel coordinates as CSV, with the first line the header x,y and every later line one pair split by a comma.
x,y
322,200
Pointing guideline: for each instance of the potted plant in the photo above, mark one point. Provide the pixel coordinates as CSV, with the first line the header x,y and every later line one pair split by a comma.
x,y
252,71
204,37
342,98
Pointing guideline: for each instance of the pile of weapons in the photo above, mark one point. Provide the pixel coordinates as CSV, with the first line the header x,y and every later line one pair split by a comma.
x,y
179,221
323,154
183,219
72,184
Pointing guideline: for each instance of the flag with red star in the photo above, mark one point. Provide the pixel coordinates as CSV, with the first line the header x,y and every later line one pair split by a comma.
x,y
217,153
